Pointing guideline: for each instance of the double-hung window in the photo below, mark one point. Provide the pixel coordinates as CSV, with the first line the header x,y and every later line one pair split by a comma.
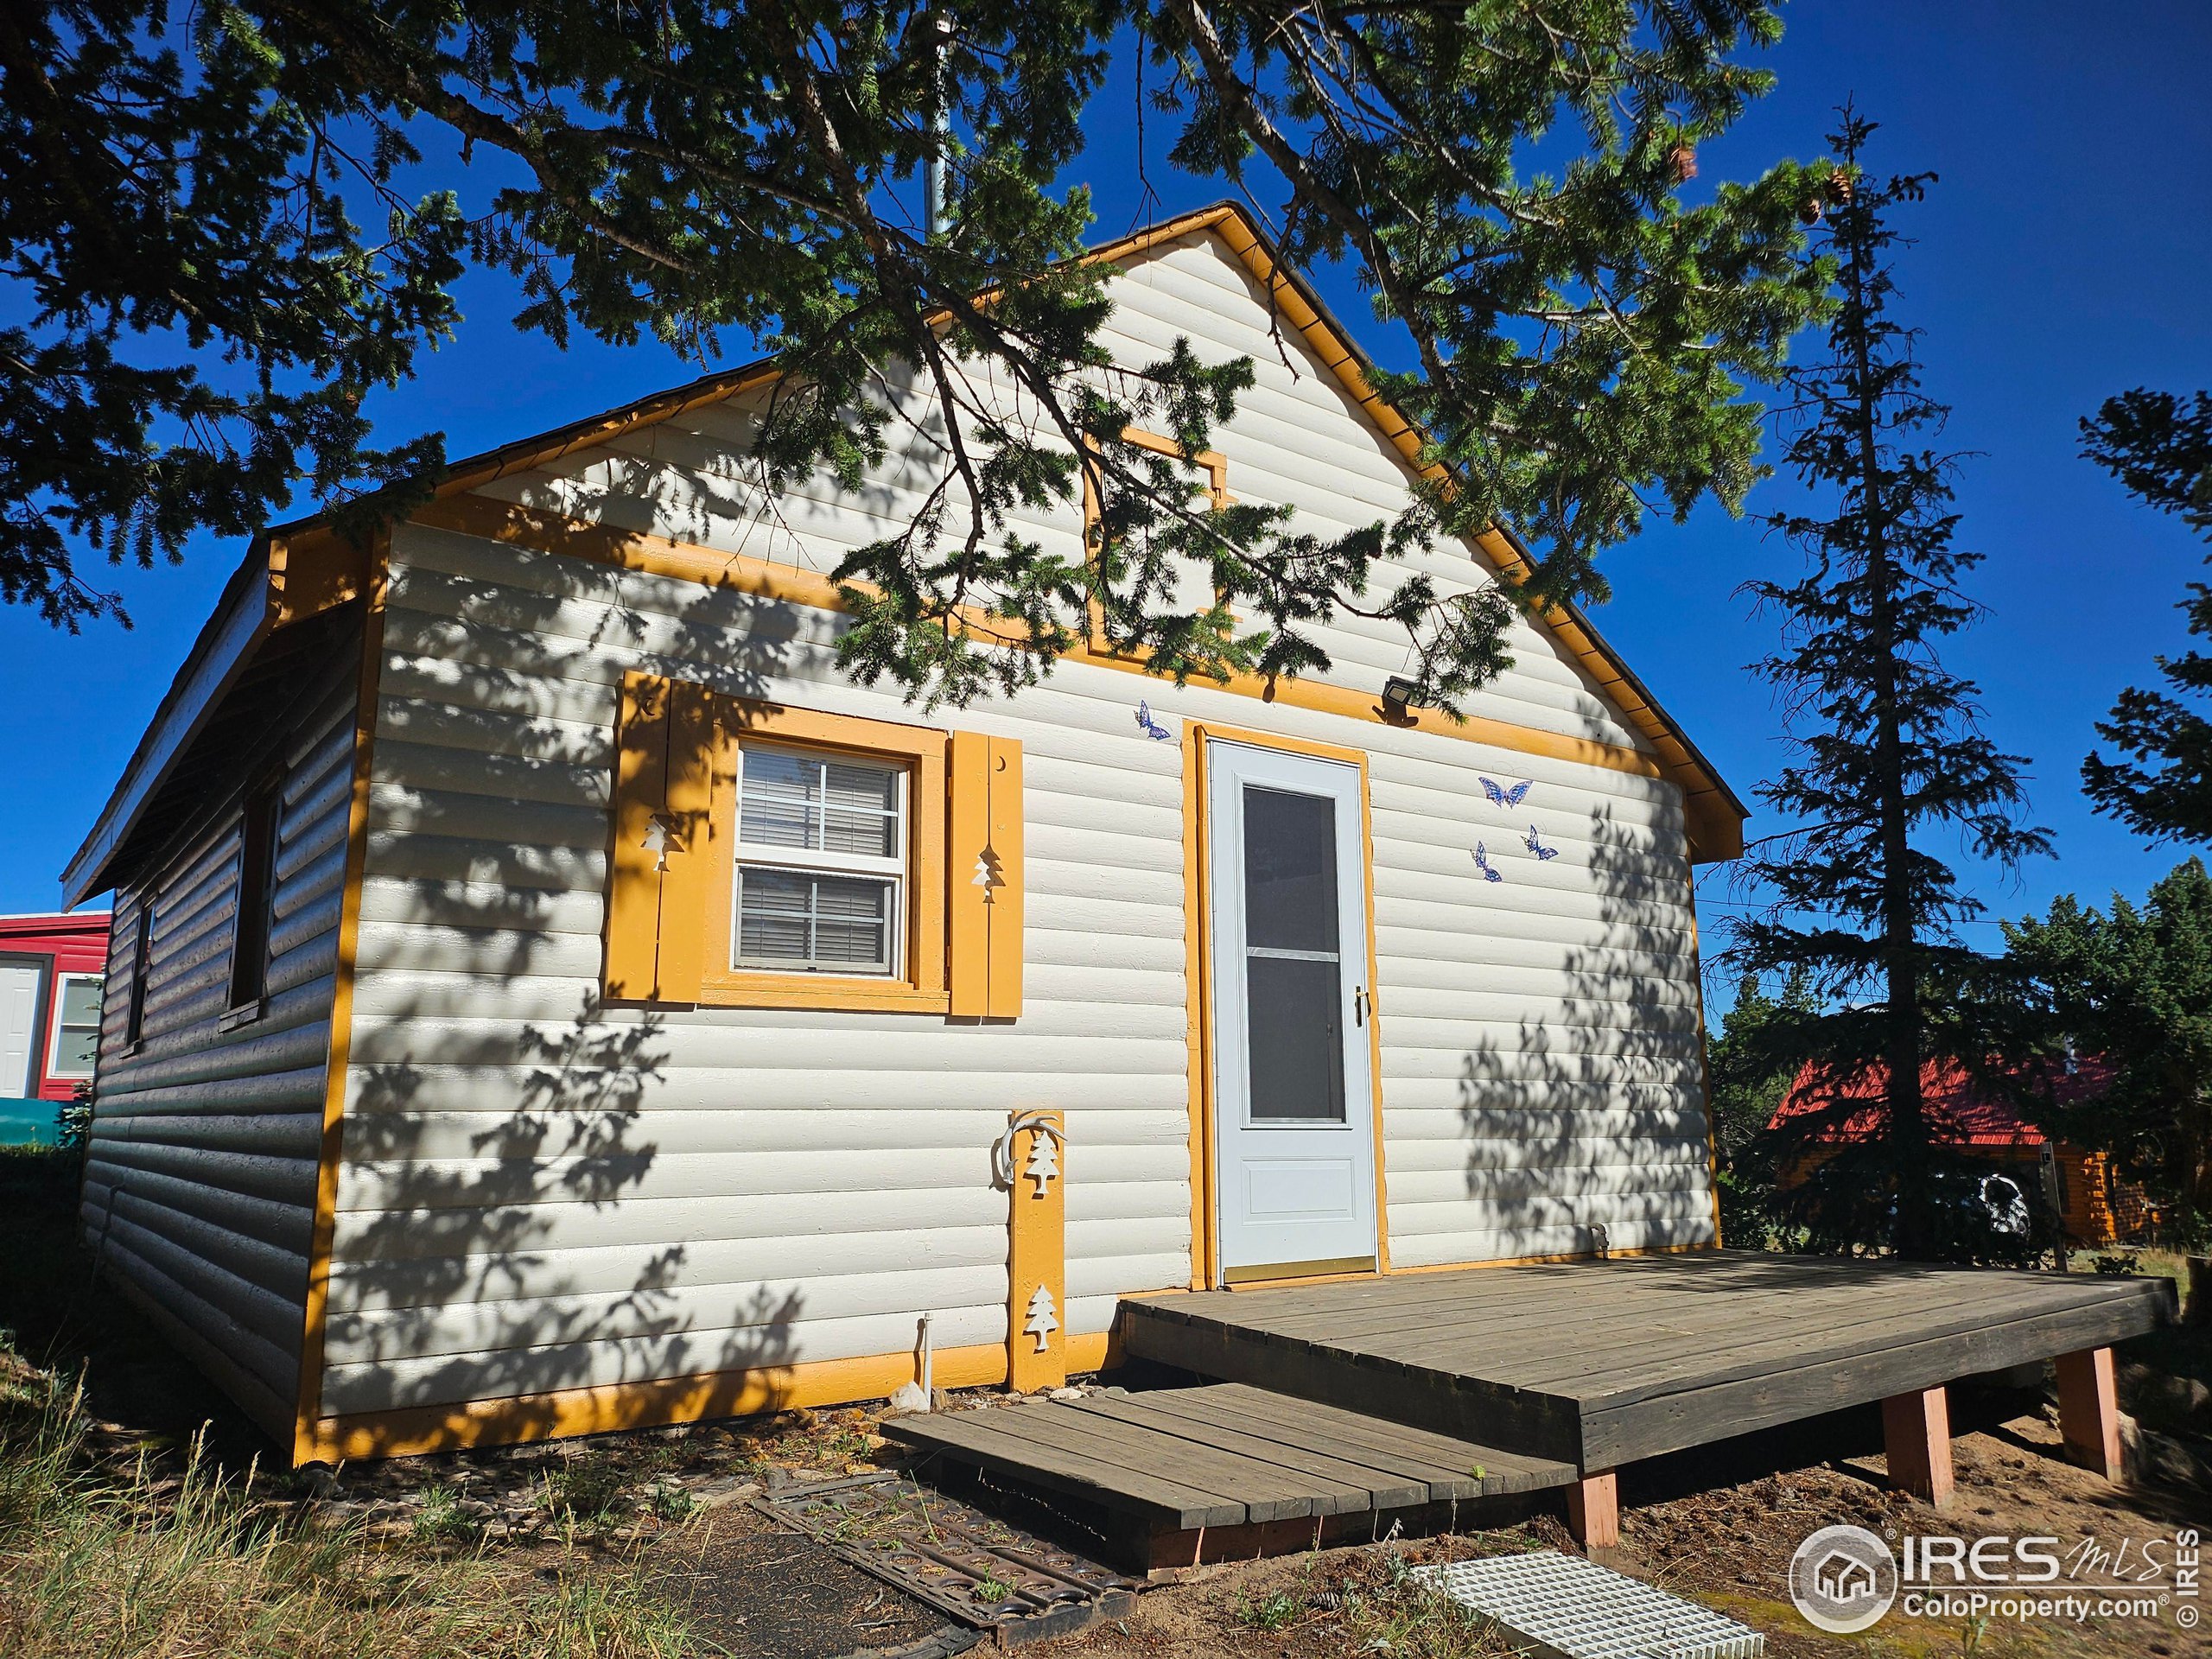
x,y
76,1027
822,863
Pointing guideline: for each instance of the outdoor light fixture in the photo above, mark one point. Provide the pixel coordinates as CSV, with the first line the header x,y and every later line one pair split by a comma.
x,y
1399,696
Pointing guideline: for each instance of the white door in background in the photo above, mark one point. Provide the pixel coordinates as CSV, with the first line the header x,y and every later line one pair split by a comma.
x,y
19,989
1294,1103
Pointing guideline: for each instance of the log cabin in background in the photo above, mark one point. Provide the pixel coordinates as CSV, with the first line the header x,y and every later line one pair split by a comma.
x,y
2093,1206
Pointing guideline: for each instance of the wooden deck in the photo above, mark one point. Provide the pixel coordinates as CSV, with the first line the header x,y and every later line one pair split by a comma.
x,y
1598,1363
1247,1469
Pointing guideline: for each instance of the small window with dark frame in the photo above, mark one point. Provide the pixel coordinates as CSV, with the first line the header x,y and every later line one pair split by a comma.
x,y
257,896
141,958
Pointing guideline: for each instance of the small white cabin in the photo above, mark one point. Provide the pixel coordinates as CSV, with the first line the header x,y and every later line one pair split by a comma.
x,y
545,995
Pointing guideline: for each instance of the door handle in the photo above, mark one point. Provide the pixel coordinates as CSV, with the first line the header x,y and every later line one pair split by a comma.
x,y
1362,1004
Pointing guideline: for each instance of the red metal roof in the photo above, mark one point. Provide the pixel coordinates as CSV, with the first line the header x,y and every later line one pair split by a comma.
x,y
1959,1112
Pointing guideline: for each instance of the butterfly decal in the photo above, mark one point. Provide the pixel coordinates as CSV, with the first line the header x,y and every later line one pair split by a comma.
x,y
1482,860
1500,794
1538,847
1151,727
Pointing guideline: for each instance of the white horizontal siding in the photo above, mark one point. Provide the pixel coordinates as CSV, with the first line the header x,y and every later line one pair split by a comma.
x,y
540,1194
537,1194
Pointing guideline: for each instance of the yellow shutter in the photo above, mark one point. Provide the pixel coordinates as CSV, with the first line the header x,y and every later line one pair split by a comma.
x,y
694,758
658,870
634,874
983,856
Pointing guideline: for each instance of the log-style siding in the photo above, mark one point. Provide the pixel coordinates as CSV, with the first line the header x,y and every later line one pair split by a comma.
x,y
540,1194
199,1182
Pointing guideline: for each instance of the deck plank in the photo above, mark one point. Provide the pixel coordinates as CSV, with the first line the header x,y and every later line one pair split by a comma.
x,y
1603,1362
1149,1497
1339,1488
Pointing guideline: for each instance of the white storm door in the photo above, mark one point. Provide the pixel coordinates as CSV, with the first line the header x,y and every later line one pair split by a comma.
x,y
19,989
1294,1103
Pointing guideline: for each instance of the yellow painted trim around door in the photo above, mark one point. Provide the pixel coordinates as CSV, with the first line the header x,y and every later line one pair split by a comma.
x,y
1205,1174
1197,992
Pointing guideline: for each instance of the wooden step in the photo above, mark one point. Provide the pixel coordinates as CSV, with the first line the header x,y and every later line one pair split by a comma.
x,y
1229,1460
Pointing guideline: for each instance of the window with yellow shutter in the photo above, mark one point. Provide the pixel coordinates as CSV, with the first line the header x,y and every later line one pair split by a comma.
x,y
767,856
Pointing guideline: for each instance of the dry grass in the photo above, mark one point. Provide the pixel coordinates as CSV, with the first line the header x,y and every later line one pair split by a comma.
x,y
178,1559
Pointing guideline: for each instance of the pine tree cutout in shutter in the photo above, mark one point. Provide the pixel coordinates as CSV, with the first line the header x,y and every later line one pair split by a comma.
x,y
984,902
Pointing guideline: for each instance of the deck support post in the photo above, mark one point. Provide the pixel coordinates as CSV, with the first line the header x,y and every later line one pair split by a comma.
x,y
2088,1410
1593,1511
1916,1434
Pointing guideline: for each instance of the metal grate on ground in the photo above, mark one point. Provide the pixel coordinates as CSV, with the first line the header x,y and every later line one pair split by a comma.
x,y
1569,1607
989,1574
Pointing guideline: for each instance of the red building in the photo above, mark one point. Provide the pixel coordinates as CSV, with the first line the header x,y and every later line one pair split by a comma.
x,y
50,971
2096,1205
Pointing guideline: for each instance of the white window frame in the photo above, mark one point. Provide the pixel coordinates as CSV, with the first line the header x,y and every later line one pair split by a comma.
x,y
897,871
54,1043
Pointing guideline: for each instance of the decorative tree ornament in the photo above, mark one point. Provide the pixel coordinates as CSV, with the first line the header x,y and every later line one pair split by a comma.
x,y
660,840
1044,1163
990,874
1043,1318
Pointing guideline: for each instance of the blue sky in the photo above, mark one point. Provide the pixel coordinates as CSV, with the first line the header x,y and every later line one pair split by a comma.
x,y
2062,258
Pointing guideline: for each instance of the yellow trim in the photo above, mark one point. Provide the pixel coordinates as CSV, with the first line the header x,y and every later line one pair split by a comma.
x,y
376,586
1197,992
1197,734
1037,1254
1217,469
1327,1271
549,533
556,1415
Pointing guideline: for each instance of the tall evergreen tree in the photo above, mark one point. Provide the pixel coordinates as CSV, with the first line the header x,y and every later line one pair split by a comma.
x,y
1888,748
213,253
2159,447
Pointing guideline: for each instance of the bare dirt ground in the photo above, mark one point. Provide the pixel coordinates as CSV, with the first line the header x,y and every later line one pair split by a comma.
x,y
1718,1525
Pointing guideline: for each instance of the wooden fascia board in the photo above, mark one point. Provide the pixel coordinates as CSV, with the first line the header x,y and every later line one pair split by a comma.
x,y
241,620
285,578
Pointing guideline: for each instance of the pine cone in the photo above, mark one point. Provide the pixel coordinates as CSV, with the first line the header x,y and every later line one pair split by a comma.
x,y
1809,213
1682,161
1839,187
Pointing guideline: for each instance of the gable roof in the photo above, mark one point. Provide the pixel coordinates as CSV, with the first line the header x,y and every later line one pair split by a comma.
x,y
265,594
